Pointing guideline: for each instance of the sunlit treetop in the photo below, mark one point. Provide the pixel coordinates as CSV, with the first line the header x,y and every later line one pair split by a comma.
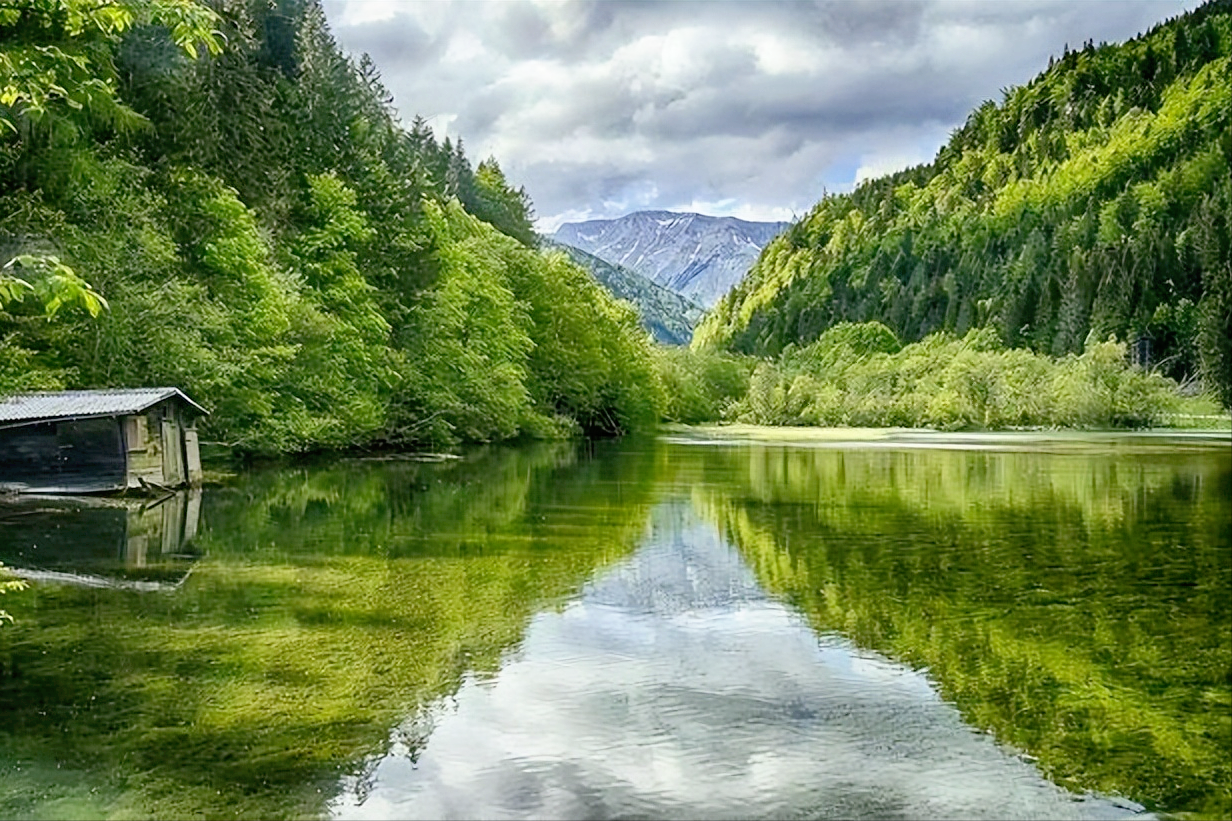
x,y
57,57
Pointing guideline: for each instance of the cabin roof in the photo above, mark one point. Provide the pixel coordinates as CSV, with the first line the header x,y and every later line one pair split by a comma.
x,y
35,407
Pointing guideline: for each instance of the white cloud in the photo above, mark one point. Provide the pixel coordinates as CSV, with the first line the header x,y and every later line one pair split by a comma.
x,y
780,54
357,12
745,108
732,207
464,48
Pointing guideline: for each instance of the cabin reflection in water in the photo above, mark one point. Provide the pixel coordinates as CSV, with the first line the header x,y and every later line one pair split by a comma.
x,y
99,542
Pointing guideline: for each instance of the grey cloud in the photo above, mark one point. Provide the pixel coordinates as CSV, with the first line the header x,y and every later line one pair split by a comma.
x,y
853,23
601,23
830,106
522,32
899,75
397,48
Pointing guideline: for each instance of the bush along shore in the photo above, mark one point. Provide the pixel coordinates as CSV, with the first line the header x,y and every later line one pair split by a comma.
x,y
861,375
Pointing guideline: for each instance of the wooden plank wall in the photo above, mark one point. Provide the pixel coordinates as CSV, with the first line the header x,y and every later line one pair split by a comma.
x,y
145,455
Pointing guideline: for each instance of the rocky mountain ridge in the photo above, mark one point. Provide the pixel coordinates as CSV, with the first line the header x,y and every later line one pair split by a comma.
x,y
697,256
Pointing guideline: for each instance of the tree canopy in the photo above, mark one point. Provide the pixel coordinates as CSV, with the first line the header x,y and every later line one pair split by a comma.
x,y
270,238
1095,198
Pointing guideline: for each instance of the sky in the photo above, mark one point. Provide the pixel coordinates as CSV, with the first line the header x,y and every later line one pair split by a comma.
x,y
746,109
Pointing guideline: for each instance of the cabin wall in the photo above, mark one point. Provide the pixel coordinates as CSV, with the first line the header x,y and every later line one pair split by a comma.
x,y
143,437
173,448
162,448
192,455
29,454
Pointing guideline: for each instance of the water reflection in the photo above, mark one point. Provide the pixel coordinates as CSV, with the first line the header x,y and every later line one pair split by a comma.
x,y
520,627
138,544
1076,606
330,602
675,687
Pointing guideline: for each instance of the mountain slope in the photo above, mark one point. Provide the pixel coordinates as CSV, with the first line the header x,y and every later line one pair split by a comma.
x,y
668,316
697,256
1094,199
272,241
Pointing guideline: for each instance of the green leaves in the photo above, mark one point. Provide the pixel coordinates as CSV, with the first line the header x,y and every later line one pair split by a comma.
x,y
55,285
8,585
59,53
858,375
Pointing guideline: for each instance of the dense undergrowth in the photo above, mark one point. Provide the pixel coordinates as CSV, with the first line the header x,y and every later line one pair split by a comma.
x,y
860,375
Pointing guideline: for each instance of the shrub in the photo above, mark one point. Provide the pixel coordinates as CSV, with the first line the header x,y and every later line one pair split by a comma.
x,y
951,383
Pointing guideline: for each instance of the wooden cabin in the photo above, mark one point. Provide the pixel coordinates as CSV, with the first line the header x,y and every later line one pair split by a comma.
x,y
100,441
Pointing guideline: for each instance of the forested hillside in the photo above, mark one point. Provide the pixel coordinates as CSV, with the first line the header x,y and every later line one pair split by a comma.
x,y
256,228
666,314
1096,199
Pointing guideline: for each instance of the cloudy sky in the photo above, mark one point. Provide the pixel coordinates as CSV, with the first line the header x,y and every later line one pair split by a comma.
x,y
748,109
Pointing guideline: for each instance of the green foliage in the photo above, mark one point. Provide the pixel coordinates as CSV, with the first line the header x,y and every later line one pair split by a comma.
x,y
8,585
858,375
55,285
272,241
1094,198
344,371
509,340
592,361
668,316
507,210
701,386
1211,241
56,61
469,342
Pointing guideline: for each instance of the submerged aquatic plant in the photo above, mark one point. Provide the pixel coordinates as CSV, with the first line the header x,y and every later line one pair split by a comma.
x,y
8,585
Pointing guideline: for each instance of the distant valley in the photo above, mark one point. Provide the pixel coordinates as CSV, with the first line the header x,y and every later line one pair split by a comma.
x,y
696,256
668,316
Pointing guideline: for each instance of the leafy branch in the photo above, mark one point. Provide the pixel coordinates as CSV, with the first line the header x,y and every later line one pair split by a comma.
x,y
55,285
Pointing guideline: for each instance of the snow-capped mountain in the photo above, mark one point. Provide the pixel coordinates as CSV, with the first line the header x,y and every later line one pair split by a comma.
x,y
697,256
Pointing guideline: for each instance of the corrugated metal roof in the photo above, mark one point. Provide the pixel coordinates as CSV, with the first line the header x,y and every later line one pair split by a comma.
x,y
29,407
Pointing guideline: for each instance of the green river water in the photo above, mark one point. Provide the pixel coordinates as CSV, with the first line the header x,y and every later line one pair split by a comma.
x,y
909,627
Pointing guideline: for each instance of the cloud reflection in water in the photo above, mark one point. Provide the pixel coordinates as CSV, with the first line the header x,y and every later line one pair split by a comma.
x,y
675,687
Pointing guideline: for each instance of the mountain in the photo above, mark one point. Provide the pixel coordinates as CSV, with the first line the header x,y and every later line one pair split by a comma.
x,y
694,255
1094,200
666,314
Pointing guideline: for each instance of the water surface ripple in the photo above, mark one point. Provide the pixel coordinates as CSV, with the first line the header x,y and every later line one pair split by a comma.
x,y
675,687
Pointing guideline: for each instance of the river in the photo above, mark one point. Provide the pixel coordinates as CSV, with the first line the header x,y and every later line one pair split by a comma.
x,y
1009,626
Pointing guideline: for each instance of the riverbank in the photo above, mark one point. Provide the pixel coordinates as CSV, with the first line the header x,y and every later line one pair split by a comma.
x,y
1050,440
